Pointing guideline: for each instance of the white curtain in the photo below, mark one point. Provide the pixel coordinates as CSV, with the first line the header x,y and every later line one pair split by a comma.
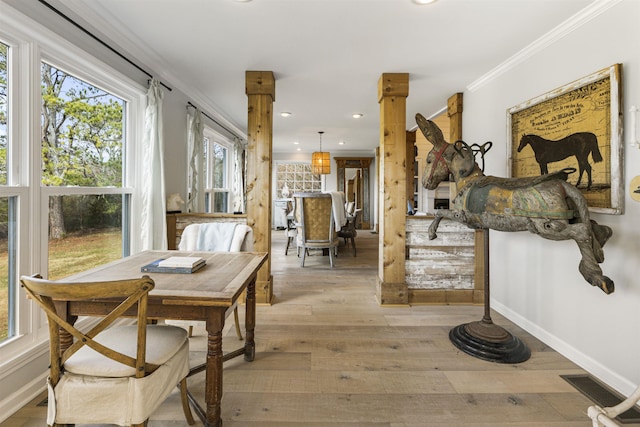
x,y
153,230
195,137
238,176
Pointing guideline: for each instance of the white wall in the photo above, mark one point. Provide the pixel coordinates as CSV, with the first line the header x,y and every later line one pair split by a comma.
x,y
536,282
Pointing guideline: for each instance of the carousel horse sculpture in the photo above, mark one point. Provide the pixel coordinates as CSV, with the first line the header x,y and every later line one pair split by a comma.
x,y
545,205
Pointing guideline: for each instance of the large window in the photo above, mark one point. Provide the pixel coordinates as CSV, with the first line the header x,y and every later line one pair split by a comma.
x,y
66,171
218,167
82,146
7,213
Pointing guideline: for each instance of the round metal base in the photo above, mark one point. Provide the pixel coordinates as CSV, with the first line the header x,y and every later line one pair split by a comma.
x,y
490,342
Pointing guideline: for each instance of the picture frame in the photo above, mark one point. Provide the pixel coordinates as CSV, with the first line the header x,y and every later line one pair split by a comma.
x,y
576,126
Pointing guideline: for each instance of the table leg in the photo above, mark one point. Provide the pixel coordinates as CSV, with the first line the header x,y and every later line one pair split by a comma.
x,y
250,322
213,378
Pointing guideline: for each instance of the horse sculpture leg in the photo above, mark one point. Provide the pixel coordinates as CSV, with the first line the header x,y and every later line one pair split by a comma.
x,y
590,237
458,216
433,227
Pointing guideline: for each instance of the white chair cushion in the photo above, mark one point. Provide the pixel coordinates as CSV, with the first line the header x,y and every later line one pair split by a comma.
x,y
163,341
122,401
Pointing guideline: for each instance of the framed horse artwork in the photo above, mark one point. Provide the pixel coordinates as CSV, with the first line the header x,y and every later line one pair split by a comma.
x,y
576,127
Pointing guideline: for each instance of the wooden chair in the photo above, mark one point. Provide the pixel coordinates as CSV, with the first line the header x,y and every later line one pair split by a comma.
x,y
349,230
110,374
316,226
291,231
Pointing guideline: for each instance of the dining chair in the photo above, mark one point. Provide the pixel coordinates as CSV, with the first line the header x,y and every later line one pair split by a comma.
x,y
349,230
199,236
110,374
291,230
316,226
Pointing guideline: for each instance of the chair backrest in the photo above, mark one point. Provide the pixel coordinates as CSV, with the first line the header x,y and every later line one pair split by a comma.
x,y
240,240
349,230
314,215
350,207
133,291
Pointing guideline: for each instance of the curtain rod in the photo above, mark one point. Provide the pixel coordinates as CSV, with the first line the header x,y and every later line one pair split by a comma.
x,y
213,120
98,40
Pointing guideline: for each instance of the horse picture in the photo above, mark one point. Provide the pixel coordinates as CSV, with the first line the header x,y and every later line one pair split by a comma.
x,y
545,205
579,144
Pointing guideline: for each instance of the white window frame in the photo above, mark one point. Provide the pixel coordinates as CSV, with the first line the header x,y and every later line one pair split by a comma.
x,y
30,44
217,138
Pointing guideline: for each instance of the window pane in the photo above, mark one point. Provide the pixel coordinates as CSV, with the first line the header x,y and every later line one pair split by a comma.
x,y
4,112
220,201
7,267
93,234
297,177
82,131
219,166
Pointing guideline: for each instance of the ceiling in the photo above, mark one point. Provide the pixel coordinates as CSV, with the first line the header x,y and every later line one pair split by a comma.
x,y
326,55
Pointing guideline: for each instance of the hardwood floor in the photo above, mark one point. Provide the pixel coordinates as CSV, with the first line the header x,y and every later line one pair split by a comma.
x,y
328,355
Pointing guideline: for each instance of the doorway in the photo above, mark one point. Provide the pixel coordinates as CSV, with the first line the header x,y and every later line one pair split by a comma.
x,y
353,180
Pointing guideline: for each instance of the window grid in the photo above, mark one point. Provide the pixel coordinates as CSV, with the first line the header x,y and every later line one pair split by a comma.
x,y
298,178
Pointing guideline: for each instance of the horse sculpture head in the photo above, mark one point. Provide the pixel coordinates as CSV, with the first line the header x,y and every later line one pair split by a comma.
x,y
436,169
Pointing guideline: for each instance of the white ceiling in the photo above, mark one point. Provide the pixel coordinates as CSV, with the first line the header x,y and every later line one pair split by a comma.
x,y
326,55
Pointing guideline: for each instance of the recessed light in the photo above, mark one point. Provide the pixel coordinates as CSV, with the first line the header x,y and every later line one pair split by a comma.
x,y
285,114
298,149
357,115
421,2
341,143
295,143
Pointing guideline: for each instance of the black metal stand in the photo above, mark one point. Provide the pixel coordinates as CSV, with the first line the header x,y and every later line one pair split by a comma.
x,y
484,339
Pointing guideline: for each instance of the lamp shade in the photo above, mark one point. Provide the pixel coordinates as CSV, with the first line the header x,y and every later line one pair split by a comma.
x,y
321,160
321,163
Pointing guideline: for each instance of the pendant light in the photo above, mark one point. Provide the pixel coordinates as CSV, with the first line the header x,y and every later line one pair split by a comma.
x,y
321,160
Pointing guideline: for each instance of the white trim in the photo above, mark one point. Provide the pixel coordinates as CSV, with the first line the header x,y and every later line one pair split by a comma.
x,y
122,36
603,373
23,396
584,16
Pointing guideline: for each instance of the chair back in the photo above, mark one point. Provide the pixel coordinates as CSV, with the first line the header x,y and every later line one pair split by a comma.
x,y
314,215
349,230
134,292
228,237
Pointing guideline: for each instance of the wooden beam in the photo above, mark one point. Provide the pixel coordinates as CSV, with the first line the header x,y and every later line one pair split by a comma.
x,y
393,89
260,89
411,160
454,111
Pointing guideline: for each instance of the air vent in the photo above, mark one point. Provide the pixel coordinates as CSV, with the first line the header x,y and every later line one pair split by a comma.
x,y
602,396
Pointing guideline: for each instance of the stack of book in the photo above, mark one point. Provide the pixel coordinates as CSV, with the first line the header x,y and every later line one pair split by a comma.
x,y
175,264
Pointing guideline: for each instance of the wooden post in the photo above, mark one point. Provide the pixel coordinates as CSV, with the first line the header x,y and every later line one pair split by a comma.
x,y
411,160
454,111
261,93
393,89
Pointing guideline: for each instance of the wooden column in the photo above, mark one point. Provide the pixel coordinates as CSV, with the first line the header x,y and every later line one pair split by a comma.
x,y
393,89
411,160
261,93
454,111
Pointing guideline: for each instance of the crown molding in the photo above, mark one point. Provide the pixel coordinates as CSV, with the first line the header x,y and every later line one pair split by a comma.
x,y
576,21
105,23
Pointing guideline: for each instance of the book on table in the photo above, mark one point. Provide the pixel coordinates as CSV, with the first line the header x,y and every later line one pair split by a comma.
x,y
174,264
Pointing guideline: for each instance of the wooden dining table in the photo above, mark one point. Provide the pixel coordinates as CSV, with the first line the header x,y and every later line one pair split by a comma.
x,y
209,294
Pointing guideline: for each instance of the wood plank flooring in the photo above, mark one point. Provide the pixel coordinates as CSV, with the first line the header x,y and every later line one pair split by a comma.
x,y
328,355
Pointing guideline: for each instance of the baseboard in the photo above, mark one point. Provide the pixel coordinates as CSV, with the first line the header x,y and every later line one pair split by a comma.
x,y
601,372
23,396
